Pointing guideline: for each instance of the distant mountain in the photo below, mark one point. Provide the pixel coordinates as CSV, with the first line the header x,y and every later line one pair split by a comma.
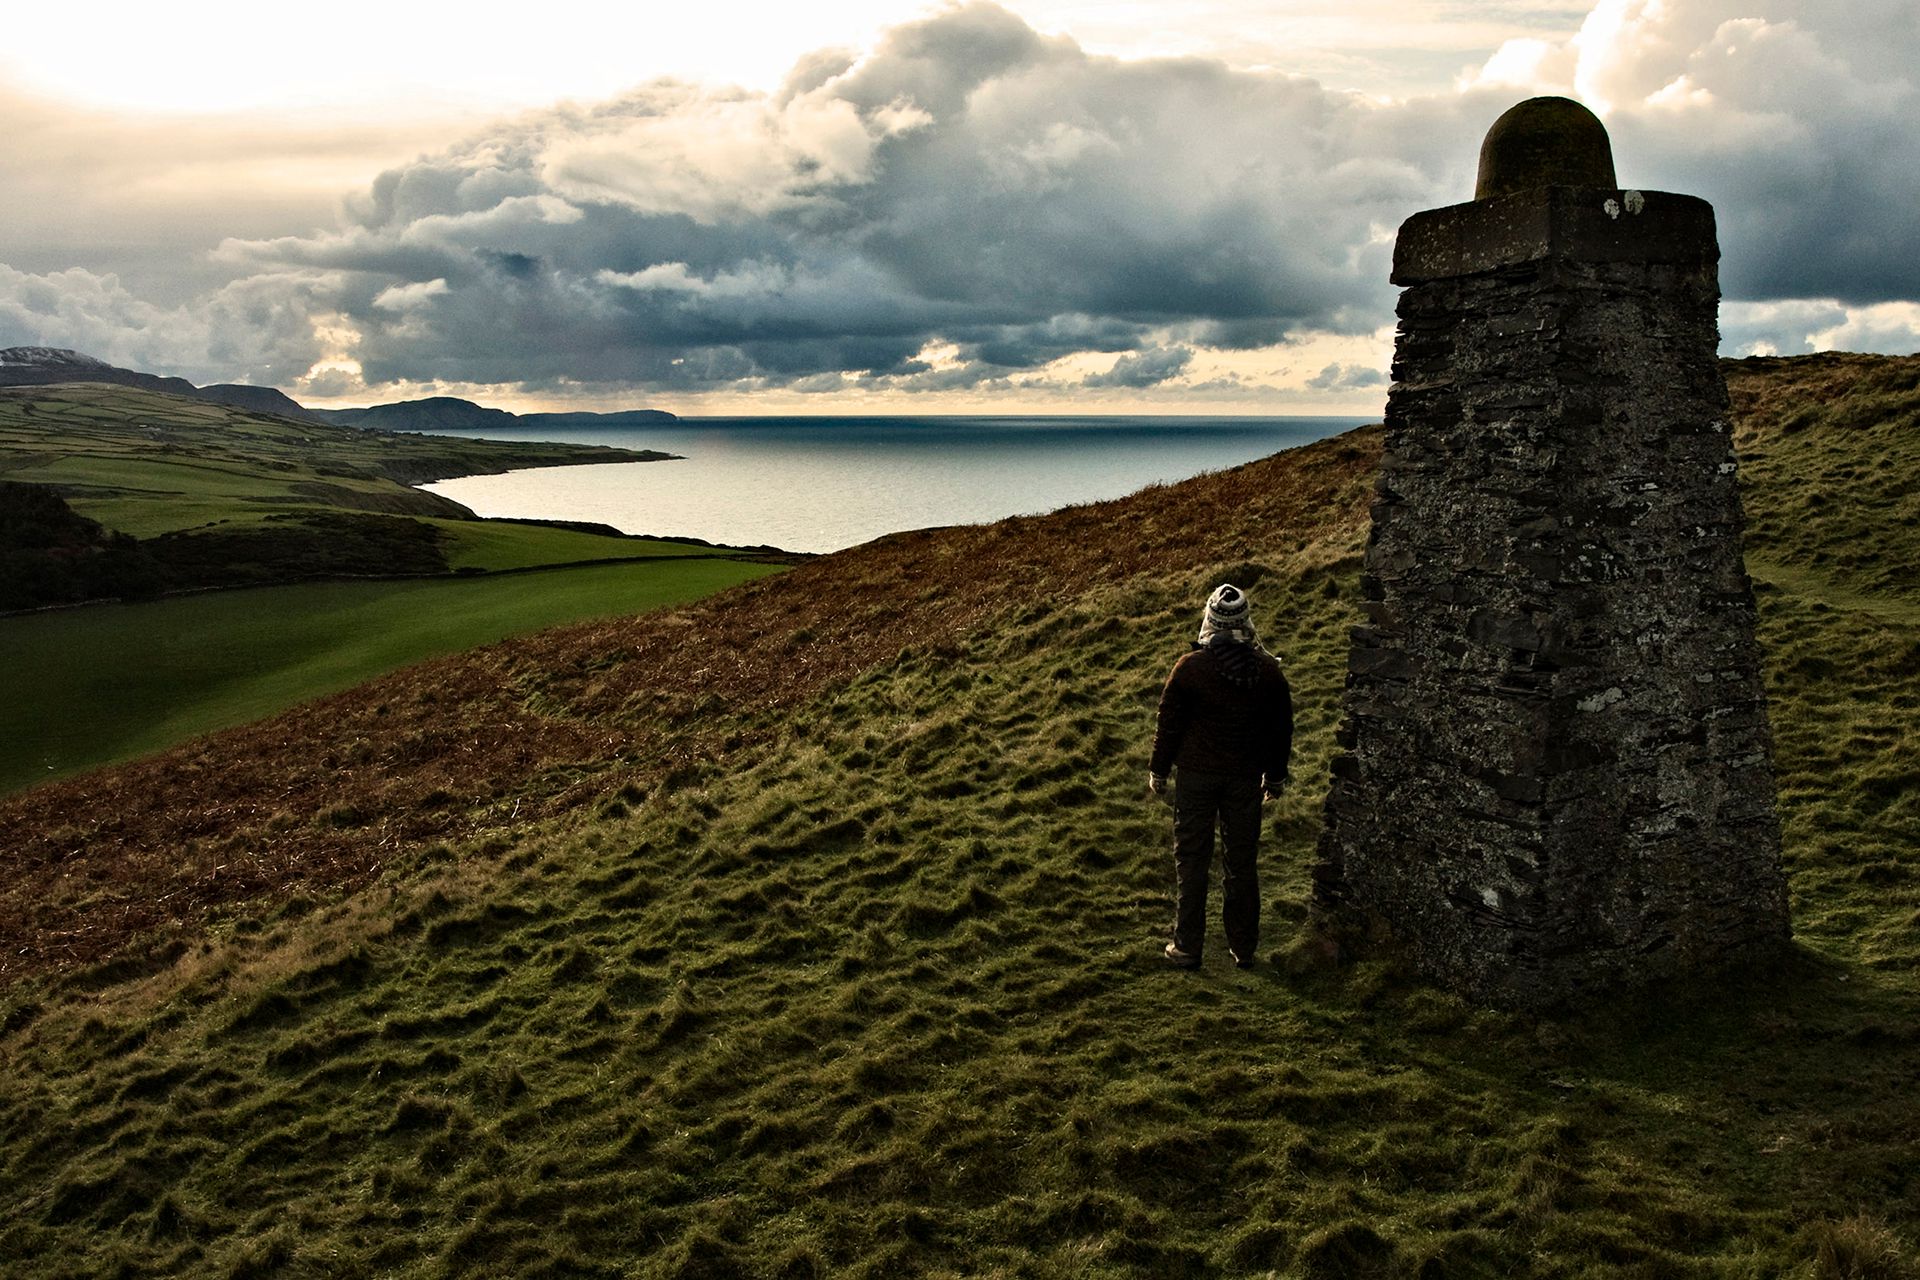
x,y
40,366
257,400
44,366
433,414
448,413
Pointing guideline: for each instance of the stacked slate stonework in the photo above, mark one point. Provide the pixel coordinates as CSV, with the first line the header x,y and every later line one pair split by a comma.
x,y
1556,775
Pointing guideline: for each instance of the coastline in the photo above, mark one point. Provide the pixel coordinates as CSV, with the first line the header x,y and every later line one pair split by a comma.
x,y
823,484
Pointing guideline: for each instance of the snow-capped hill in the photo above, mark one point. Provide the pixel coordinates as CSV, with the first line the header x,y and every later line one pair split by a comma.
x,y
40,366
49,357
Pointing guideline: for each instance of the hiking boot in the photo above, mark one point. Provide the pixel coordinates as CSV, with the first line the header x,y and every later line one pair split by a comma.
x,y
1243,961
1181,959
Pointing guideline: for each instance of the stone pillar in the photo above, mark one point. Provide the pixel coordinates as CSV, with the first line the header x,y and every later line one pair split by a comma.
x,y
1557,774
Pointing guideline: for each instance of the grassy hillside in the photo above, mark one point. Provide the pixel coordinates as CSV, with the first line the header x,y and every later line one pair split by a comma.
x,y
147,463
116,681
222,496
812,930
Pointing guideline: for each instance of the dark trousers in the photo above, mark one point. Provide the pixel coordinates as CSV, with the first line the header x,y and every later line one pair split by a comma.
x,y
1232,801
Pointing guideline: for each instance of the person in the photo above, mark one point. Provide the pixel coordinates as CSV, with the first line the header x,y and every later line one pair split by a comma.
x,y
1221,744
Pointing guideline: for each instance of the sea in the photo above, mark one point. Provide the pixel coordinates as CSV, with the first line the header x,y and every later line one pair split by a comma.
x,y
820,484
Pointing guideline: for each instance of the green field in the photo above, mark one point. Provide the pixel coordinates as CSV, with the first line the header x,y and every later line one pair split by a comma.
x,y
147,463
87,686
223,497
813,931
503,544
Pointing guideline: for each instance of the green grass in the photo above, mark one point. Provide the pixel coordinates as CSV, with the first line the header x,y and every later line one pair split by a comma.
x,y
113,681
882,999
146,464
502,544
1835,482
155,476
142,517
872,989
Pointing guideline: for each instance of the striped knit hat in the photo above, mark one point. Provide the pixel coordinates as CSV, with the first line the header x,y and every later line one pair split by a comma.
x,y
1229,613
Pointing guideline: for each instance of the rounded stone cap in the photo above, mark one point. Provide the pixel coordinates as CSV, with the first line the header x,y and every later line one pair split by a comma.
x,y
1544,142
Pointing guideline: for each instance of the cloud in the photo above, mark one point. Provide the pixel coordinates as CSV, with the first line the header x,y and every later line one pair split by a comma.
x,y
259,329
969,184
332,383
1891,328
1801,325
1794,117
406,297
142,197
972,205
1146,369
1346,377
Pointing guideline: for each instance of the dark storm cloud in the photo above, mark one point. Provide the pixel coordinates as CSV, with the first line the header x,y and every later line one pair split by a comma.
x,y
970,185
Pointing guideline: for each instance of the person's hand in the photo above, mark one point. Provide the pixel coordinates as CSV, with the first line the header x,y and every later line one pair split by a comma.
x,y
1275,788
1160,786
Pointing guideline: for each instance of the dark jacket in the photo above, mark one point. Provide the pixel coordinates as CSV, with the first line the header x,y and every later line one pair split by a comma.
x,y
1225,710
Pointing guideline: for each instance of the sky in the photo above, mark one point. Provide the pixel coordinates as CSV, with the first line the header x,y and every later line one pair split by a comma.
x,y
875,206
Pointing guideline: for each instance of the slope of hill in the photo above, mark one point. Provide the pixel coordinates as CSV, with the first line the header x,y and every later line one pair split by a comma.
x,y
812,930
46,366
108,448
226,496
111,683
435,413
257,400
43,366
223,497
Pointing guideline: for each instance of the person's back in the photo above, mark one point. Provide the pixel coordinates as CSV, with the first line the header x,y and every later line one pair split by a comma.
x,y
1221,745
1225,709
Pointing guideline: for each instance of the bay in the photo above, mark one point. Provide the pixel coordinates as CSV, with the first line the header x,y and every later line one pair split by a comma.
x,y
821,484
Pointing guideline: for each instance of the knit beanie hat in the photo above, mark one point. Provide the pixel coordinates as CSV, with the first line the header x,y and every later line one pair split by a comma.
x,y
1229,613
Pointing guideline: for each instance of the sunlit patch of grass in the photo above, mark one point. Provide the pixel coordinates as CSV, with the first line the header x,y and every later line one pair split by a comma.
x,y
506,544
115,681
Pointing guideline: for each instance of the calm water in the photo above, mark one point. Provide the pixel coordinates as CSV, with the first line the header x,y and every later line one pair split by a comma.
x,y
821,484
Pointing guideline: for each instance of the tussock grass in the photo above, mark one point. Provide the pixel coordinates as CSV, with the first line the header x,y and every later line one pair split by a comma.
x,y
863,982
1831,444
